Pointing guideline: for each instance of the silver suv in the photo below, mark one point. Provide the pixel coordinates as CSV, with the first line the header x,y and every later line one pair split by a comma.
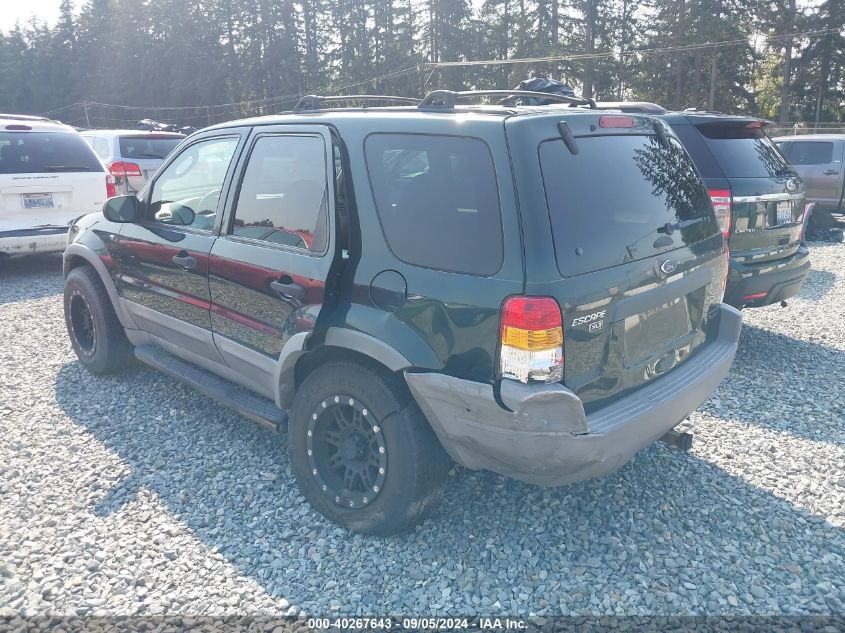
x,y
132,156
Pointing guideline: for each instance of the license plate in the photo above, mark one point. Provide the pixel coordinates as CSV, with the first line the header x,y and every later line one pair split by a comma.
x,y
784,211
37,200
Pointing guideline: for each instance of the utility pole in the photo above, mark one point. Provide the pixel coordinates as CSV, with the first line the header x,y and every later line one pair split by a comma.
x,y
789,25
85,109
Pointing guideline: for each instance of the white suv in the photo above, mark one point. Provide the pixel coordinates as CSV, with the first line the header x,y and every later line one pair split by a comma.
x,y
48,177
132,156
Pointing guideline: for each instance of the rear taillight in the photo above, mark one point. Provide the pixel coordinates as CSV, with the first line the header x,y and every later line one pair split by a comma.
x,y
121,169
722,206
531,337
111,188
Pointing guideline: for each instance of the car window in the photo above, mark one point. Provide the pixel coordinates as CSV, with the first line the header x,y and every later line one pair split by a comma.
x,y
811,153
284,192
437,200
742,151
187,192
144,147
609,203
46,152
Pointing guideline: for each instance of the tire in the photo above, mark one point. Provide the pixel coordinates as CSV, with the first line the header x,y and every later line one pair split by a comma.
x,y
415,465
97,337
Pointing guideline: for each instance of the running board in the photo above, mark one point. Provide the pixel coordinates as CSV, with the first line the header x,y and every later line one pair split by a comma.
x,y
244,402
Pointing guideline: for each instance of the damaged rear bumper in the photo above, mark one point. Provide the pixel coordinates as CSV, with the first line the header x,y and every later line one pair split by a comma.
x,y
546,438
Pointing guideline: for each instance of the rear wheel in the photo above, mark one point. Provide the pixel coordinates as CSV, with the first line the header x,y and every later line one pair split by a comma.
x,y
96,334
363,453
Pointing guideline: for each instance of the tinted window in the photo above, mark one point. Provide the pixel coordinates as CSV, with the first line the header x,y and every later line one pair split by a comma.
x,y
811,153
140,147
743,152
284,192
187,192
43,152
437,200
607,202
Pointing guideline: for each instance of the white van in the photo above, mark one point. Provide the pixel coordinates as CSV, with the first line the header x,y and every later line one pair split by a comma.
x,y
49,176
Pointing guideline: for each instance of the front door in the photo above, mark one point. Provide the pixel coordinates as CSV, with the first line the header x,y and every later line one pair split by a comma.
x,y
162,261
268,268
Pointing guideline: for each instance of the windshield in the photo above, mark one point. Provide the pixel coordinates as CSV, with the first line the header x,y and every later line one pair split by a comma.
x,y
141,147
622,198
743,152
46,152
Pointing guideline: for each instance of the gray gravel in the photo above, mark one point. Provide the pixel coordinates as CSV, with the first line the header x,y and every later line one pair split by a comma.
x,y
134,495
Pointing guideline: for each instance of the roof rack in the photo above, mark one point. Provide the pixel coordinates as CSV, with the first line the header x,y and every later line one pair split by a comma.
x,y
23,117
641,107
445,99
314,102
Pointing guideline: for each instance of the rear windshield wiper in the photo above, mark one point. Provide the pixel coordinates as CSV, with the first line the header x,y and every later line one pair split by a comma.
x,y
670,228
144,155
67,168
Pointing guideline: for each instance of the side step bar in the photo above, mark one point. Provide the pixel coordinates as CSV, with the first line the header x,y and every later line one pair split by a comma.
x,y
248,404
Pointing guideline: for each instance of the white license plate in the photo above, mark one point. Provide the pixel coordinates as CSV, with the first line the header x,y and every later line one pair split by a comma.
x,y
784,211
37,200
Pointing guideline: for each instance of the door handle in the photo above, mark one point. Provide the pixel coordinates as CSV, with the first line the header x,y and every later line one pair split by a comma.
x,y
288,291
831,172
185,262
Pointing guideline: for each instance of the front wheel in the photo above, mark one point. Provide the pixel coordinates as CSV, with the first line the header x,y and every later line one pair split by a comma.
x,y
96,334
363,453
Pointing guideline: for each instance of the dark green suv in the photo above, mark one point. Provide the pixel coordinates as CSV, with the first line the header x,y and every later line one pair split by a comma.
x,y
534,291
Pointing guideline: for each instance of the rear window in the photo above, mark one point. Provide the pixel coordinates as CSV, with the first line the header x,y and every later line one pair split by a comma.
x,y
46,152
437,200
607,202
743,152
141,147
811,153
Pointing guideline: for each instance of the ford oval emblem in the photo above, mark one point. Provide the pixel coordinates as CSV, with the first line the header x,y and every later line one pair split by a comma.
x,y
668,267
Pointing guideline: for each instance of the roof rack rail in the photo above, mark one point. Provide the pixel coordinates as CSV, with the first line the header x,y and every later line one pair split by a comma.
x,y
641,107
445,99
24,117
314,102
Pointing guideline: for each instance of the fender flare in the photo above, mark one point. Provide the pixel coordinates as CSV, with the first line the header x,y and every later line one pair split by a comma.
x,y
340,338
79,250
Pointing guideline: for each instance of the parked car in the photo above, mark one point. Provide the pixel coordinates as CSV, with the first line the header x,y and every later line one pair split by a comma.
x,y
758,197
818,159
48,177
532,291
132,156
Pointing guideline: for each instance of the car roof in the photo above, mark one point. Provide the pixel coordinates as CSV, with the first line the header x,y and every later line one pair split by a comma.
x,y
133,133
461,113
35,124
810,137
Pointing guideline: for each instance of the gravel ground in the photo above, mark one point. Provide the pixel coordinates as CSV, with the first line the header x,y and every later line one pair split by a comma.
x,y
133,495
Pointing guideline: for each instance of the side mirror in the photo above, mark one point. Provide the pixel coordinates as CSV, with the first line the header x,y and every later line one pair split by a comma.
x,y
122,209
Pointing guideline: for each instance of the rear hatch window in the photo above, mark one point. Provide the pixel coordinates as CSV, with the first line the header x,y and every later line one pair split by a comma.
x,y
46,152
611,203
141,147
742,151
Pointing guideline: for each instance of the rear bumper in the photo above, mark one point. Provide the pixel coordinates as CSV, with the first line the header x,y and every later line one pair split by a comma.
x,y
779,279
45,240
546,438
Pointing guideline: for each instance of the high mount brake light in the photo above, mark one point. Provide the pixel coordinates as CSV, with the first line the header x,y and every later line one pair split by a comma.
x,y
722,205
616,121
531,337
17,127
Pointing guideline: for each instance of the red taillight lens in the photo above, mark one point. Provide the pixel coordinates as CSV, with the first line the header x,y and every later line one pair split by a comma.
x,y
616,121
121,169
111,188
531,337
721,199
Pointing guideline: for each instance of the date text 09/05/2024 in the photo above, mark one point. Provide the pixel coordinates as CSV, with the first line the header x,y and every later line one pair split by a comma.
x,y
424,623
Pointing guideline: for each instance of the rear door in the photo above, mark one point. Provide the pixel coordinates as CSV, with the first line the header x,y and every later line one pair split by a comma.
x,y
47,179
162,260
738,160
819,163
268,269
636,260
